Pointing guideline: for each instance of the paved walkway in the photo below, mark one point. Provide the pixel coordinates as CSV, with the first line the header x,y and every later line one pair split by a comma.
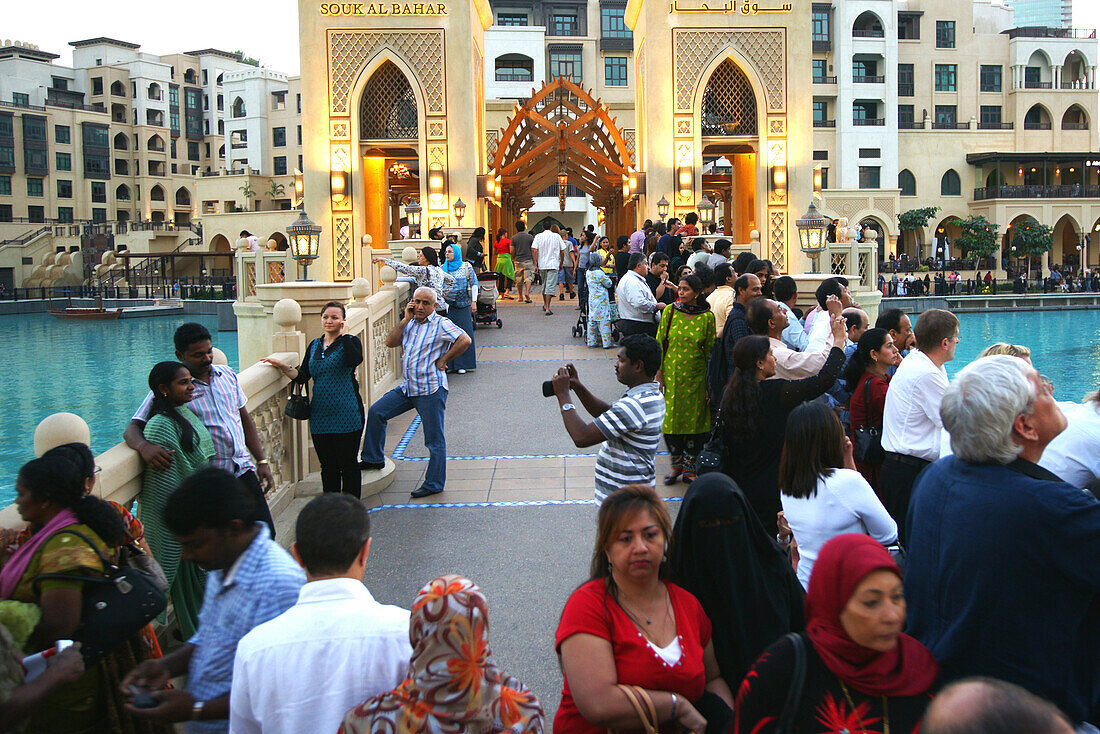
x,y
505,441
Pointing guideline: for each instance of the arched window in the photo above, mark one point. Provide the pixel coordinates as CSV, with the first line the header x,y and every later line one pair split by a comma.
x,y
189,76
238,107
156,193
122,142
907,182
122,193
950,185
1037,118
729,104
118,89
514,68
387,109
1075,119
868,25
154,91
183,197
156,144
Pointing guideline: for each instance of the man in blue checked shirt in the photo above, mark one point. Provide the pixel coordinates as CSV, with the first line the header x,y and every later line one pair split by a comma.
x,y
429,341
251,581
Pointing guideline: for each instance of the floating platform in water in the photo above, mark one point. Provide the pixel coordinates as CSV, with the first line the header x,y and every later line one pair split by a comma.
x,y
138,312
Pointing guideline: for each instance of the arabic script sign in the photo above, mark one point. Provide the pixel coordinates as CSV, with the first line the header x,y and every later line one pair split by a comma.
x,y
731,6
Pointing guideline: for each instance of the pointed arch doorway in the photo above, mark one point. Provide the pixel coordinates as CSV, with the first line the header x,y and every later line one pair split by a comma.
x,y
562,135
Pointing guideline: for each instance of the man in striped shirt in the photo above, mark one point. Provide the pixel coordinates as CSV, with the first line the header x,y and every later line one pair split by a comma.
x,y
630,429
429,341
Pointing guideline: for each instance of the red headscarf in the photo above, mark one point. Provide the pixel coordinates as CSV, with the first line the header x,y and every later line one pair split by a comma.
x,y
907,670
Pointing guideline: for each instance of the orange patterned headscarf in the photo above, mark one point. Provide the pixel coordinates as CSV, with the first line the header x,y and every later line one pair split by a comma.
x,y
453,685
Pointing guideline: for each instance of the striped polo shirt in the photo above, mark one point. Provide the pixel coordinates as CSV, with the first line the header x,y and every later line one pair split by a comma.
x,y
632,429
218,405
423,343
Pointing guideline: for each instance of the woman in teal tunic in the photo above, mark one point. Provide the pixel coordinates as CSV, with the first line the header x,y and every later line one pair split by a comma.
x,y
336,407
175,427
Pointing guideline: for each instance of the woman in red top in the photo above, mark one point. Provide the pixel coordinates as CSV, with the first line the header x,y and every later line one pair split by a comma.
x,y
628,626
867,371
503,264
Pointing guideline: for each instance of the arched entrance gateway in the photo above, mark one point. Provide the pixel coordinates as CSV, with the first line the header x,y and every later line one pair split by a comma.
x,y
562,135
426,106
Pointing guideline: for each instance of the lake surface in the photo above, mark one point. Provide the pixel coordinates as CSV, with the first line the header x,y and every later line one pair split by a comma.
x,y
96,369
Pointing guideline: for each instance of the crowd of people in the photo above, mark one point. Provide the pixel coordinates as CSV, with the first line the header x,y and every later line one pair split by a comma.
x,y
863,544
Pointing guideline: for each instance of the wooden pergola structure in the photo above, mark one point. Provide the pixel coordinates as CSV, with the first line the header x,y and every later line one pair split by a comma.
x,y
562,135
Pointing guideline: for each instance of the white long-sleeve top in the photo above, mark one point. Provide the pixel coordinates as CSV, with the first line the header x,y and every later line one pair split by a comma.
x,y
844,503
911,422
636,301
794,336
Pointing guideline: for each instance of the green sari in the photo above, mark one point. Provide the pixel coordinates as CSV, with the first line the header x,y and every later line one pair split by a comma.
x,y
186,580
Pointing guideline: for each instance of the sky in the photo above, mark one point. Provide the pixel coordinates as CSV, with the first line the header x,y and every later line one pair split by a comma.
x,y
267,31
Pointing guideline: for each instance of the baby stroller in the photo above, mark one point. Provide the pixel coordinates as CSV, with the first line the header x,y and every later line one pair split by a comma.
x,y
487,300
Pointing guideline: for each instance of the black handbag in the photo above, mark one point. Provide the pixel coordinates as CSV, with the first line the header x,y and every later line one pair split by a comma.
x,y
115,606
867,441
713,452
297,405
796,688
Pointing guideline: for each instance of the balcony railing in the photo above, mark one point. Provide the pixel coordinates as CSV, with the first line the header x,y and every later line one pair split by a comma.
x,y
869,33
905,90
1072,191
869,122
513,76
996,125
1043,32
950,125
1036,125
910,125
1075,126
824,123
1032,84
1082,84
824,80
869,79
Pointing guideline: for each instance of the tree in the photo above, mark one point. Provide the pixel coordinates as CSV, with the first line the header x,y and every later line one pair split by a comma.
x,y
1031,239
914,220
275,189
251,61
979,236
247,192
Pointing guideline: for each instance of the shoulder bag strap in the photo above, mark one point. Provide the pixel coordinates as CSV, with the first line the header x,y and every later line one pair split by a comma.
x,y
668,329
108,565
636,696
798,684
867,404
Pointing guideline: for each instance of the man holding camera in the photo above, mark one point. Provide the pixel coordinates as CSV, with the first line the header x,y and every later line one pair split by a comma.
x,y
630,429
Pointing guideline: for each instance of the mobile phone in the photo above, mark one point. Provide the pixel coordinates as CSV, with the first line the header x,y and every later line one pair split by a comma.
x,y
142,699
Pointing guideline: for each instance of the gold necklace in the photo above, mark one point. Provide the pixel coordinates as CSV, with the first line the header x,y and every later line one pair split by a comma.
x,y
885,707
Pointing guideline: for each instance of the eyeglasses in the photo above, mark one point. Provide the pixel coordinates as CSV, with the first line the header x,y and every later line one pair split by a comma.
x,y
1047,384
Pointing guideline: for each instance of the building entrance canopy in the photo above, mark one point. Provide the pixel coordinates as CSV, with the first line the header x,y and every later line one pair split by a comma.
x,y
561,134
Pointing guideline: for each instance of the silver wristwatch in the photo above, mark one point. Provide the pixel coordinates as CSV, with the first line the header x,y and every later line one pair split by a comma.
x,y
568,406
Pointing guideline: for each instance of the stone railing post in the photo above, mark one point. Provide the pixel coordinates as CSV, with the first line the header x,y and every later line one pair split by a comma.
x,y
287,315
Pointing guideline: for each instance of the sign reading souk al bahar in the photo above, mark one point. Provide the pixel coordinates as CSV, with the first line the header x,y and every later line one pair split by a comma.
x,y
374,9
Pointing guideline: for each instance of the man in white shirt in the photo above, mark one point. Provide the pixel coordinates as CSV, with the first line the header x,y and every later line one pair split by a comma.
x,y
638,307
819,329
335,648
911,423
767,318
1074,454
548,250
722,297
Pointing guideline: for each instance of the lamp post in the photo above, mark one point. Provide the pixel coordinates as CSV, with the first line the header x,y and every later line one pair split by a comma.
x,y
460,211
412,212
706,210
662,208
303,238
811,233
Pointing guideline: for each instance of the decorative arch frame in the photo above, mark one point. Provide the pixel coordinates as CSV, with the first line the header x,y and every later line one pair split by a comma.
x,y
1044,54
1044,108
1076,52
872,13
163,193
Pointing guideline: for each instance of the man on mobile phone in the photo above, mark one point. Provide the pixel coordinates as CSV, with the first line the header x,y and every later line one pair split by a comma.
x,y
428,342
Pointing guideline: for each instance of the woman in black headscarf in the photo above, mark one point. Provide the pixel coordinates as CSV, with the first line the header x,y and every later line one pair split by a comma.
x,y
722,554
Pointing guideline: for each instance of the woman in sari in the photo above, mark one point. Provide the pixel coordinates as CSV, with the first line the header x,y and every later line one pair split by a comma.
x,y
453,684
175,427
50,496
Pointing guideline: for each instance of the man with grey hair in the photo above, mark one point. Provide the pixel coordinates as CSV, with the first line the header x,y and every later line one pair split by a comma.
x,y
428,342
990,706
1001,576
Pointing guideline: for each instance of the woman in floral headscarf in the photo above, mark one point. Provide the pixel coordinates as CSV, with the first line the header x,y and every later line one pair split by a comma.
x,y
453,684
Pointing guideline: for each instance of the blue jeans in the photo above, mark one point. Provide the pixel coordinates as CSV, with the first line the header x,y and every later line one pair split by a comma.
x,y
430,409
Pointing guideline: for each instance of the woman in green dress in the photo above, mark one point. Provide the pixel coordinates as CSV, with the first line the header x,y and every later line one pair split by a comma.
x,y
173,426
686,333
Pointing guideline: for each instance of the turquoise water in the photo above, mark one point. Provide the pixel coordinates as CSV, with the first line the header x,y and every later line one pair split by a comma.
x,y
96,369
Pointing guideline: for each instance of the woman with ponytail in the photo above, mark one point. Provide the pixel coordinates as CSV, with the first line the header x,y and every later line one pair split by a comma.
x,y
173,426
50,497
867,372
753,417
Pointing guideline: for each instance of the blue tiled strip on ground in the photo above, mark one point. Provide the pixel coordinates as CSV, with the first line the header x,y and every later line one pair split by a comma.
x,y
399,450
519,503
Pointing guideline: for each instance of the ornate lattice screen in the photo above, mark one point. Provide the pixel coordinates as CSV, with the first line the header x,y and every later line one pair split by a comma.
x,y
387,109
729,105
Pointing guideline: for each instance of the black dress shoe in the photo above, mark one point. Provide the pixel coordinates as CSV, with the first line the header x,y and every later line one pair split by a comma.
x,y
371,466
424,492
